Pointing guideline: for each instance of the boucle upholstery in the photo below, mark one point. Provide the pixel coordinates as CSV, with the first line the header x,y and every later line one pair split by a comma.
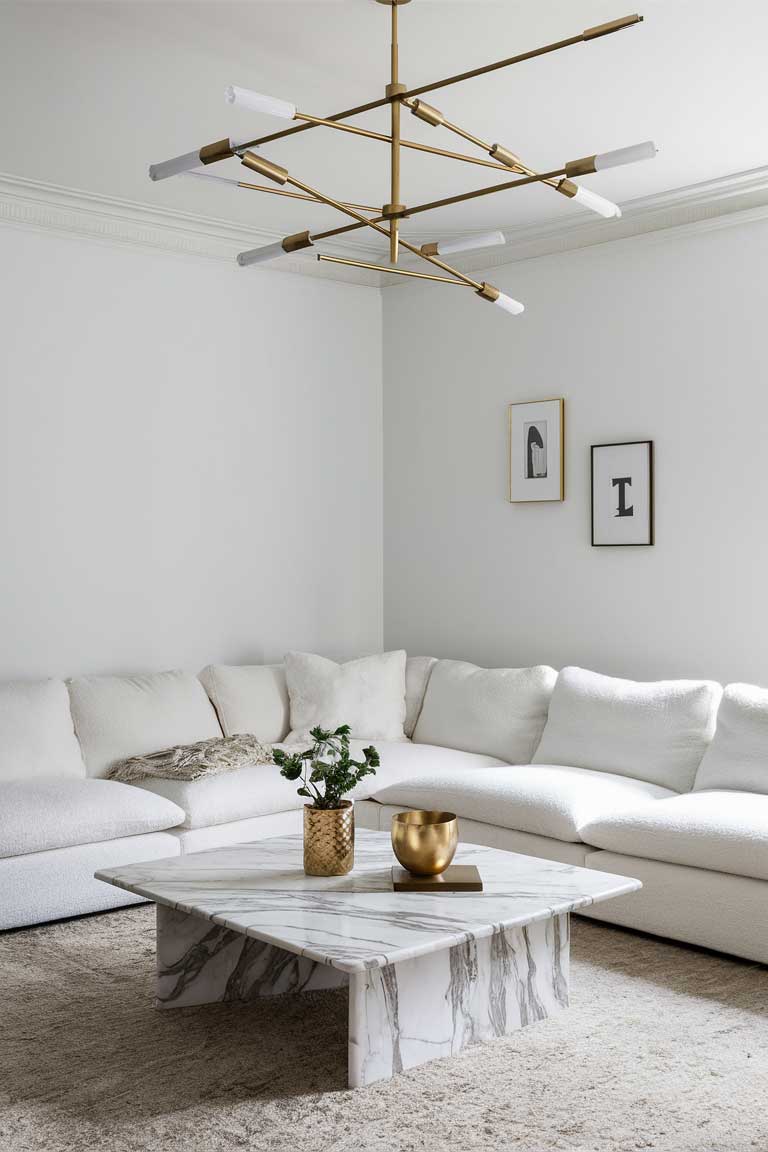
x,y
497,711
120,716
41,815
418,670
368,694
545,800
651,731
737,758
37,737
252,698
722,831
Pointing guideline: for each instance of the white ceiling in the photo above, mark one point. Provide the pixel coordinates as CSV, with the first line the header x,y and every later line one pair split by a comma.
x,y
95,91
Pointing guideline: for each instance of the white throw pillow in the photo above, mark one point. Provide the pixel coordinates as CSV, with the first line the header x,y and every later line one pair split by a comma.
x,y
494,711
655,731
249,698
368,694
121,716
37,736
737,758
418,669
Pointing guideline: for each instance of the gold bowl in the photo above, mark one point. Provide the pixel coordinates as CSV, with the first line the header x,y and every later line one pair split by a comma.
x,y
425,842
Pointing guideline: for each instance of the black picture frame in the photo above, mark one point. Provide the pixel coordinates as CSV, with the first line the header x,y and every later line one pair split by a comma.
x,y
651,495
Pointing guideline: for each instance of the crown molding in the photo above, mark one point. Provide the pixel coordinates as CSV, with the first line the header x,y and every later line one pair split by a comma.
x,y
740,198
24,203
36,204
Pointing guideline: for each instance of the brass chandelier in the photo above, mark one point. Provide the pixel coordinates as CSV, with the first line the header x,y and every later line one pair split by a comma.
x,y
386,221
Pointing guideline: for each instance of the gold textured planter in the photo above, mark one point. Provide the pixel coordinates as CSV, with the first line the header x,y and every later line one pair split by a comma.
x,y
329,840
425,842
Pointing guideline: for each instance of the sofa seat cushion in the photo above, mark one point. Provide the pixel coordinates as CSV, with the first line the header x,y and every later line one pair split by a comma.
x,y
401,762
238,795
261,790
543,799
495,711
651,731
37,736
120,716
39,815
720,831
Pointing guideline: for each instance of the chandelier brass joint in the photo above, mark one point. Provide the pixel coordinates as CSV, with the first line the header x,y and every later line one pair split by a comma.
x,y
265,167
499,152
430,249
394,90
297,241
581,167
219,150
488,292
427,113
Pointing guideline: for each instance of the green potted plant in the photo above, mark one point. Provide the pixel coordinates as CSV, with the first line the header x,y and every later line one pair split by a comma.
x,y
327,771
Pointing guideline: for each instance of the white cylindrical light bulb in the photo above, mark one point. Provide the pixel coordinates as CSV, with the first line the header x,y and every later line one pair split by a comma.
x,y
514,307
631,155
259,255
596,203
258,102
173,167
466,243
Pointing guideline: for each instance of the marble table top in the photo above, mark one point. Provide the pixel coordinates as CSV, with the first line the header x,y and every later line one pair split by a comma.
x,y
357,921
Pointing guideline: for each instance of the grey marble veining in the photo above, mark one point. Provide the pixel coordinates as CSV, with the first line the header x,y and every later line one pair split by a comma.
x,y
436,1005
428,975
357,922
199,962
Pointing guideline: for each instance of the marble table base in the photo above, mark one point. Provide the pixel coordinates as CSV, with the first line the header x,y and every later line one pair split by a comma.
x,y
400,1015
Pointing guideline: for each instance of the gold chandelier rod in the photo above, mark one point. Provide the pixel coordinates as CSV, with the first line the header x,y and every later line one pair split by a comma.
x,y
394,88
282,176
432,116
294,195
535,178
389,268
587,35
318,120
364,221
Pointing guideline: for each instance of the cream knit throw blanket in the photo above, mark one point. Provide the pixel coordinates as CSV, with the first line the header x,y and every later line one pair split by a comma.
x,y
193,761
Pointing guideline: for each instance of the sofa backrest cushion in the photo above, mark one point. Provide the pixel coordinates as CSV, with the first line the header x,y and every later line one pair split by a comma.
x,y
37,737
651,731
120,716
368,694
737,758
418,670
249,698
493,711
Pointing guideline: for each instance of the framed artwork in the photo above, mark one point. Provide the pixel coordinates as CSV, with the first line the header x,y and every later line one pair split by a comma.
x,y
622,494
536,451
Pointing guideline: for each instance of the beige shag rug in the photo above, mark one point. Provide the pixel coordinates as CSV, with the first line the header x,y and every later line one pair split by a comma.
x,y
664,1048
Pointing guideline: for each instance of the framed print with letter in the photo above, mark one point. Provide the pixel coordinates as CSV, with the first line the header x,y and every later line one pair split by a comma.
x,y
536,451
622,494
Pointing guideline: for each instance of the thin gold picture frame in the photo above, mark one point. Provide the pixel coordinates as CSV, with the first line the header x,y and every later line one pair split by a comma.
x,y
510,456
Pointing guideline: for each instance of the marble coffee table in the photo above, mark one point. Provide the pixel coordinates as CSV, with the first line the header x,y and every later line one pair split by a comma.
x,y
427,974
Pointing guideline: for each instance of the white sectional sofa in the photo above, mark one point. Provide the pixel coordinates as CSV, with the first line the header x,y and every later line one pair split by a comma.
x,y
665,782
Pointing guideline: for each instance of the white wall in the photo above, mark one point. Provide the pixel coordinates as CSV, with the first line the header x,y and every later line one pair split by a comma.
x,y
190,461
663,339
